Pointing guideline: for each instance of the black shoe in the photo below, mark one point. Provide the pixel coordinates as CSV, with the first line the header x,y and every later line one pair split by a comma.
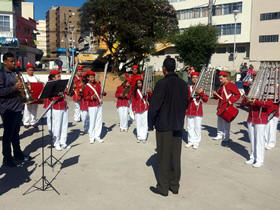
x,y
9,163
174,191
22,157
157,191
225,143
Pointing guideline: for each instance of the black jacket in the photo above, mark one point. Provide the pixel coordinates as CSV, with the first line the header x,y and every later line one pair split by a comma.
x,y
10,99
168,104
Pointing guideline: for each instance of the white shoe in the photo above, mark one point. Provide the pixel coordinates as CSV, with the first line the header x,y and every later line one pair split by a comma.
x,y
144,141
195,146
99,140
217,137
125,130
250,161
188,145
58,148
269,147
63,146
138,140
91,141
257,164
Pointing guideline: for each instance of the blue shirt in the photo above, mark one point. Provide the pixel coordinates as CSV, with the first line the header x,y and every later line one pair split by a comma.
x,y
10,99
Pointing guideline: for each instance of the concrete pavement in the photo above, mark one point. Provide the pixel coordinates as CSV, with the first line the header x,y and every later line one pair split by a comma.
x,y
118,173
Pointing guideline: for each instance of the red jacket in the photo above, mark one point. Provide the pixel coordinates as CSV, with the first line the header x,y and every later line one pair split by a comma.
x,y
88,93
193,109
254,115
138,104
46,103
61,104
231,90
274,108
120,100
79,86
84,105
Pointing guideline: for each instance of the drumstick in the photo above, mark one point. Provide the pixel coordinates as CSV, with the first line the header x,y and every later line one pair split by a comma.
x,y
220,97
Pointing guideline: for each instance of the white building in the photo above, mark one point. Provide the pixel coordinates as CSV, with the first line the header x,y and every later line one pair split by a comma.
x,y
194,12
27,10
42,36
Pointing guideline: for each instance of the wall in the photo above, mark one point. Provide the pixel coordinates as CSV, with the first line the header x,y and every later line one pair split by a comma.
x,y
24,30
267,51
27,10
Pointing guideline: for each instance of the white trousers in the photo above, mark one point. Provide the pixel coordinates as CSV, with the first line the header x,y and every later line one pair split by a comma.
x,y
123,115
223,129
257,138
85,120
142,125
95,122
271,131
30,114
49,120
77,111
194,129
60,126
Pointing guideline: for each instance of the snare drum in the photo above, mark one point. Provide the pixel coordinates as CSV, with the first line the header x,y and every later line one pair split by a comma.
x,y
227,112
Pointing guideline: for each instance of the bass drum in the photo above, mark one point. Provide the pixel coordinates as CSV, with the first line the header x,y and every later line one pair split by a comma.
x,y
227,112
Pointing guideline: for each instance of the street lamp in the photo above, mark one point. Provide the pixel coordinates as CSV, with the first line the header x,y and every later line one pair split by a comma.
x,y
235,12
71,27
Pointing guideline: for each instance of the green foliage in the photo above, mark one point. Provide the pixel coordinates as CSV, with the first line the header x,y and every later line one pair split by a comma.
x,y
135,25
196,45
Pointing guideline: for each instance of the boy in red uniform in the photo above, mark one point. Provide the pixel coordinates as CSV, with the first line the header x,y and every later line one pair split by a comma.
x,y
195,112
227,93
123,95
60,118
77,93
134,76
257,121
140,108
92,95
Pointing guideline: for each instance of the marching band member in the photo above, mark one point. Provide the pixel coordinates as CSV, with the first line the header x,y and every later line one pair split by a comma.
x,y
227,93
257,121
140,108
271,128
123,94
77,93
30,110
60,118
194,113
135,74
84,105
92,94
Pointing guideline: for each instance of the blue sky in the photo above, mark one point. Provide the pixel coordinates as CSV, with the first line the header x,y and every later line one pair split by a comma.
x,y
42,6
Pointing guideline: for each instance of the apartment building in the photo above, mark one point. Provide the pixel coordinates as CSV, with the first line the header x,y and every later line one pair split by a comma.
x,y
265,31
191,13
42,36
63,28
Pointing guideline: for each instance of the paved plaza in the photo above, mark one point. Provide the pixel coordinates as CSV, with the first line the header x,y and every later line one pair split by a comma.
x,y
118,173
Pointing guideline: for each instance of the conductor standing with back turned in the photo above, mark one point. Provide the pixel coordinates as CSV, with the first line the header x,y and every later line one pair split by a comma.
x,y
166,114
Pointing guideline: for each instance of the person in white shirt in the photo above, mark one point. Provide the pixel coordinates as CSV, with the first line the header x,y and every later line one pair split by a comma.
x,y
30,110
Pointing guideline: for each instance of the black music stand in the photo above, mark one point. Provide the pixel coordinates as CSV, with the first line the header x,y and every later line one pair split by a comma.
x,y
51,89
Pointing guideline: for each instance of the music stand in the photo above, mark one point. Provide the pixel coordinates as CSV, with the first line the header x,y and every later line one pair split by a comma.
x,y
53,88
49,91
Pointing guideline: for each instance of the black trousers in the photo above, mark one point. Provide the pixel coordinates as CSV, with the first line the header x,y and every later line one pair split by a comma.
x,y
11,122
169,145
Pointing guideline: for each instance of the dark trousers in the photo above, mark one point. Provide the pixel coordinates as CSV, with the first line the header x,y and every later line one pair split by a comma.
x,y
169,146
11,122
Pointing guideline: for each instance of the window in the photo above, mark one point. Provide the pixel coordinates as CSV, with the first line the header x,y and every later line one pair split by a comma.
x,y
270,16
4,23
268,38
204,12
228,29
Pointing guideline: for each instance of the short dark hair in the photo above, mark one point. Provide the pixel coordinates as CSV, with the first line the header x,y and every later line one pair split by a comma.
x,y
170,64
8,55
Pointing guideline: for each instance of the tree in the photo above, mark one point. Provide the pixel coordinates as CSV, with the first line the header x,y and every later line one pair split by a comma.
x,y
196,45
130,28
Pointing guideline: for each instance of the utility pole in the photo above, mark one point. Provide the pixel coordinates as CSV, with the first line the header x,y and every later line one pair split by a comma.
x,y
210,12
